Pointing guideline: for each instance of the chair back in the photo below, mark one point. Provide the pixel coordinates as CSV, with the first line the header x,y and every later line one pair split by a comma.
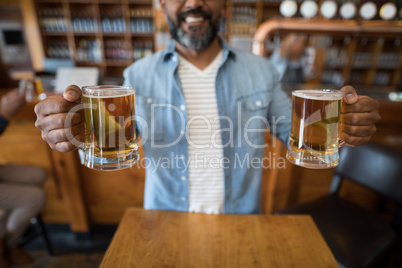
x,y
374,166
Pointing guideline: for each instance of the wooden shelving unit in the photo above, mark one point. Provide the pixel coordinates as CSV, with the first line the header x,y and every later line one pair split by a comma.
x,y
108,34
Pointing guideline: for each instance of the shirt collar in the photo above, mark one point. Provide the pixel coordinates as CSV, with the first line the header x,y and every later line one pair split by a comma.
x,y
226,49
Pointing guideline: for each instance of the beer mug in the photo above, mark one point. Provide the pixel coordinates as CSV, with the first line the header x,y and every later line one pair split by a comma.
x,y
32,89
314,138
110,137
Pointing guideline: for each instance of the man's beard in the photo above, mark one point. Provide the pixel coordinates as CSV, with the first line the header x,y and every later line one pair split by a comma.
x,y
194,41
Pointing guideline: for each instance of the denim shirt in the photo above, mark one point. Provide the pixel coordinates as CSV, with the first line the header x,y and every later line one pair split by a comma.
x,y
249,98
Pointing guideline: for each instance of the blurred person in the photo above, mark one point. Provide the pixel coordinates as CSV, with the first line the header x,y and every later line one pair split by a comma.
x,y
21,193
291,60
218,93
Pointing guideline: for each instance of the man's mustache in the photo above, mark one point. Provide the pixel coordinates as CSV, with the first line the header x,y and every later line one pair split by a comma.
x,y
198,11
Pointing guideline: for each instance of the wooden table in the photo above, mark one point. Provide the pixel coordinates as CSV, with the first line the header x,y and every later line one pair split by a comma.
x,y
151,238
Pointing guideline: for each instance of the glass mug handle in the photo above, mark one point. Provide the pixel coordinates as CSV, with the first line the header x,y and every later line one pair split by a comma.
x,y
341,143
68,124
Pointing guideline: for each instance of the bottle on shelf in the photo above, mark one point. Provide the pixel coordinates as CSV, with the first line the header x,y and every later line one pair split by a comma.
x,y
83,22
116,50
52,20
244,20
113,23
335,57
388,60
142,49
89,50
381,78
362,60
58,50
141,20
332,77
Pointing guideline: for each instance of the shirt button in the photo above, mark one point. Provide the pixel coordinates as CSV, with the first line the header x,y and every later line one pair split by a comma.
x,y
182,107
258,103
174,58
183,178
149,100
183,198
182,132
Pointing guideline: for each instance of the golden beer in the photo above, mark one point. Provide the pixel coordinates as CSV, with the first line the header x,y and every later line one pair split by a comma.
x,y
110,138
314,137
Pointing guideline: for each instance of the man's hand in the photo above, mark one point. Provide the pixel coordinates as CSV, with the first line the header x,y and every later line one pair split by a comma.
x,y
51,120
11,103
358,117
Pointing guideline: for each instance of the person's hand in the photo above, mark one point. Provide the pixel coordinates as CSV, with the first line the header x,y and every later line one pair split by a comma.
x,y
51,120
11,103
358,117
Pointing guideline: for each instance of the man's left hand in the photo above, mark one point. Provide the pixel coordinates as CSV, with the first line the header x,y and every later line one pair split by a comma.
x,y
358,117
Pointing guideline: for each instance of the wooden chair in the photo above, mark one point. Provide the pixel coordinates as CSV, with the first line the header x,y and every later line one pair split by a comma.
x,y
358,237
36,229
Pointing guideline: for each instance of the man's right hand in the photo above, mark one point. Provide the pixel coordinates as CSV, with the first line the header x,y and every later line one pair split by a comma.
x,y
51,120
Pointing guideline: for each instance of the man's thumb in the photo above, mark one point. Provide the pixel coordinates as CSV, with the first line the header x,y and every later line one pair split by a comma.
x,y
72,93
349,94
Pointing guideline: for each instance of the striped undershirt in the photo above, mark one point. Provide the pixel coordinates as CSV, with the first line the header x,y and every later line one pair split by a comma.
x,y
206,179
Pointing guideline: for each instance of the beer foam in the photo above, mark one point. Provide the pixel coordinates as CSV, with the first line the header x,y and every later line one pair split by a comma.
x,y
318,94
108,94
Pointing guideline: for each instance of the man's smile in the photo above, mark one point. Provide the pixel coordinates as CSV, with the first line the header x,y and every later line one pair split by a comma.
x,y
194,20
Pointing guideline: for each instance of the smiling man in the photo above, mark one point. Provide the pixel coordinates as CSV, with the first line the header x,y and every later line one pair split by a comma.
x,y
204,106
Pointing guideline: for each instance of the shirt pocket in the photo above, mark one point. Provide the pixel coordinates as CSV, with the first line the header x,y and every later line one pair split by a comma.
x,y
254,115
151,117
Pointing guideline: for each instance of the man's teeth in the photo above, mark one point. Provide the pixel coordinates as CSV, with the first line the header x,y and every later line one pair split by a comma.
x,y
193,19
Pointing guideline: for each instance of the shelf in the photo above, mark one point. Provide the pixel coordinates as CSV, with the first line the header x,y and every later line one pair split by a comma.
x,y
360,68
96,11
86,34
142,34
388,69
87,63
140,2
244,3
117,63
272,4
79,2
327,67
114,34
56,33
113,2
50,1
